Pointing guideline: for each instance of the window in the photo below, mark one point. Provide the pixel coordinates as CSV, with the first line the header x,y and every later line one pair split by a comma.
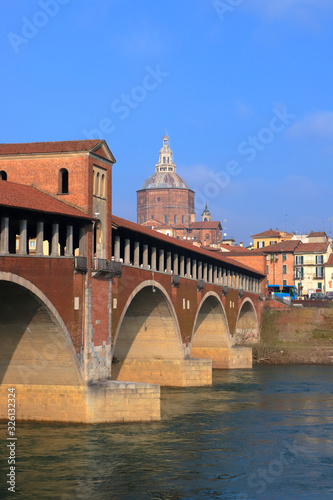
x,y
168,159
299,260
284,283
152,217
319,272
267,269
319,259
158,199
3,175
175,219
206,236
260,244
319,286
32,244
284,269
284,257
165,142
163,159
272,242
183,219
102,193
97,184
299,273
63,181
165,219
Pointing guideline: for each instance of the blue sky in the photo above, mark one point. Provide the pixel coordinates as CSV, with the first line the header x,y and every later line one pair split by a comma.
x,y
243,88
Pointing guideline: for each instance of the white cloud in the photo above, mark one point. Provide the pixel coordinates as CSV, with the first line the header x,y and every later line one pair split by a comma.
x,y
316,125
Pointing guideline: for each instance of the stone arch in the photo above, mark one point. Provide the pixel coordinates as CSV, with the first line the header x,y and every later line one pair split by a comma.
x,y
210,330
247,325
36,347
148,334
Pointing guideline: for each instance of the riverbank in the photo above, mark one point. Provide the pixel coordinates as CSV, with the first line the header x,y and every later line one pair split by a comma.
x,y
295,336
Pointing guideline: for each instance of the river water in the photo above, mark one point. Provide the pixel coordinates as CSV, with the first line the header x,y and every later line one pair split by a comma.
x,y
265,433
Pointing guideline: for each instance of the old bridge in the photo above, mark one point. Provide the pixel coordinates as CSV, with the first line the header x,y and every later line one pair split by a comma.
x,y
97,312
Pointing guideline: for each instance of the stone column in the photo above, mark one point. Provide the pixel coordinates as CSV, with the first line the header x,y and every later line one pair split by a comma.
x,y
215,275
224,279
228,278
232,279
23,241
161,262
117,248
194,269
175,263
153,258
205,274
199,270
145,256
136,253
4,235
219,276
188,267
69,239
55,240
168,266
82,239
182,266
127,252
210,273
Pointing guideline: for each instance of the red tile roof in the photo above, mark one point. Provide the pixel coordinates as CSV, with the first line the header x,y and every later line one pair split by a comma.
x,y
206,224
267,234
89,145
30,198
235,249
330,260
282,246
314,234
117,221
312,248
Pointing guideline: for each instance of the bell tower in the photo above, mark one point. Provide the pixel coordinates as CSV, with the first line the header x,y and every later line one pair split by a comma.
x,y
165,161
206,215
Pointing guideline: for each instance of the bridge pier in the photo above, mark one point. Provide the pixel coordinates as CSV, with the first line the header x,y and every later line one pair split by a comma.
x,y
101,402
165,372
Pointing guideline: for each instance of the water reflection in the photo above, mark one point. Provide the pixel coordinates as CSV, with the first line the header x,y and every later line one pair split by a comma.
x,y
216,442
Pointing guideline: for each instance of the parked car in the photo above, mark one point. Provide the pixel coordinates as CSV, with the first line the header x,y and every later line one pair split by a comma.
x,y
318,296
329,295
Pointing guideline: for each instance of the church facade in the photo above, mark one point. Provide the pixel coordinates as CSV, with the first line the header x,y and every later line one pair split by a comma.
x,y
166,203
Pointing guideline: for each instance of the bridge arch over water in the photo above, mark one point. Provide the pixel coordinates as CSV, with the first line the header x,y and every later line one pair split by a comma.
x,y
36,347
148,335
247,325
211,336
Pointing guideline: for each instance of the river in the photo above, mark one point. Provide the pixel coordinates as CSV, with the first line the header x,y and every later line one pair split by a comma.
x,y
265,433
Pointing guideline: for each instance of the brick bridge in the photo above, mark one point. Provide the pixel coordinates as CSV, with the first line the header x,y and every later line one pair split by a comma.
x,y
96,310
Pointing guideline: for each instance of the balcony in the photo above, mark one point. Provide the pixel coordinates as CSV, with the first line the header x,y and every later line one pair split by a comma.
x,y
80,263
108,267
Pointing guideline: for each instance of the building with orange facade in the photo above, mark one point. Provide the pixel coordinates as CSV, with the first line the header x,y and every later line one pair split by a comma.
x,y
270,237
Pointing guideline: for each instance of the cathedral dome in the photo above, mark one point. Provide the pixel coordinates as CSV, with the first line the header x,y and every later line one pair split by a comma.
x,y
162,180
165,176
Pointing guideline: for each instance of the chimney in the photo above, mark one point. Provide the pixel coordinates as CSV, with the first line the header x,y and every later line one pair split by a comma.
x,y
241,244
